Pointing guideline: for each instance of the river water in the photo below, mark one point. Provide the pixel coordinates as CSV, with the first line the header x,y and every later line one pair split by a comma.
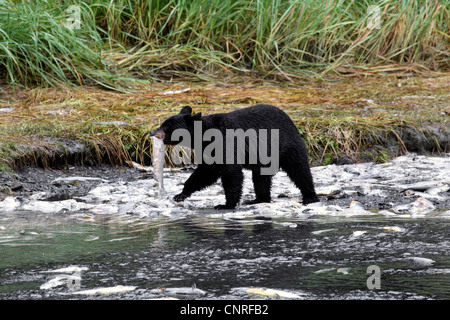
x,y
380,232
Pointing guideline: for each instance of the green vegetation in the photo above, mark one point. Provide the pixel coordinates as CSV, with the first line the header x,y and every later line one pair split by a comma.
x,y
341,74
287,39
37,48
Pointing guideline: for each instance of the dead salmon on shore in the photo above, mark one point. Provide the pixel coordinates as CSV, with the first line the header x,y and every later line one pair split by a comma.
x,y
158,156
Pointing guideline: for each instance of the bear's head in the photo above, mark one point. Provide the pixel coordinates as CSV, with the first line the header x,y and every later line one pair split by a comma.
x,y
184,120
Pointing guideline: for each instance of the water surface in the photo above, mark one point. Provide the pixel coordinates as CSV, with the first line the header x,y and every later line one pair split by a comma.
x,y
316,258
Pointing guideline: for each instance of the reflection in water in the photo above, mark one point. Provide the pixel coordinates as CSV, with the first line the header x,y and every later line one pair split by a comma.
x,y
312,259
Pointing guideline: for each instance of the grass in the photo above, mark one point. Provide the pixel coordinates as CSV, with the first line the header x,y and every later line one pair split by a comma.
x,y
320,61
36,48
121,41
362,119
287,38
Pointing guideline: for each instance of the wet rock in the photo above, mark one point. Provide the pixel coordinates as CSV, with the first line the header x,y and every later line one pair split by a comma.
x,y
104,209
341,161
77,179
352,170
9,204
321,209
431,139
70,205
419,262
441,136
129,191
438,189
357,208
421,207
425,186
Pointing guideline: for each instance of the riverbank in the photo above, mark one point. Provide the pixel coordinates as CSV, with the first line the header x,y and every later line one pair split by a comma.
x,y
408,186
346,121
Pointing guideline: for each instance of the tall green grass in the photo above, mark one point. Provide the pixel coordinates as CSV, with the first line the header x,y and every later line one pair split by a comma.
x,y
38,48
204,38
287,37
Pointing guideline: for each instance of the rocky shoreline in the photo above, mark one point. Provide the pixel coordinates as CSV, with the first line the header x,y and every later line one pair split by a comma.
x,y
411,185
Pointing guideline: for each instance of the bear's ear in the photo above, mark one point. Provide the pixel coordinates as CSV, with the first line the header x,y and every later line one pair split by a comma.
x,y
186,110
197,116
190,118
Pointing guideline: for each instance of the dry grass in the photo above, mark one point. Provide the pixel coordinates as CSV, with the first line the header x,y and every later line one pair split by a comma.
x,y
358,118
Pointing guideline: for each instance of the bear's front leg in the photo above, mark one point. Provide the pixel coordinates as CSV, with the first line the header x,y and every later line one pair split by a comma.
x,y
202,177
180,197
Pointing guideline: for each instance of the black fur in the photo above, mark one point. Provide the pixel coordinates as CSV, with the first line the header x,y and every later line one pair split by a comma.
x,y
293,157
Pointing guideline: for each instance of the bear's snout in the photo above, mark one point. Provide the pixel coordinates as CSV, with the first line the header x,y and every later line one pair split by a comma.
x,y
158,133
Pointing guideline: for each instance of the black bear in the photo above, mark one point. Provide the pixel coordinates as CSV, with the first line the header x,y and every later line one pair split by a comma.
x,y
263,130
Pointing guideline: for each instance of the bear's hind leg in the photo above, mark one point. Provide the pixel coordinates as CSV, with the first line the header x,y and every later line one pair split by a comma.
x,y
261,185
296,165
232,180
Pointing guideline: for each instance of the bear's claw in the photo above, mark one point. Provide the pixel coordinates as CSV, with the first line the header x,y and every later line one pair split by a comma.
x,y
255,201
180,197
224,206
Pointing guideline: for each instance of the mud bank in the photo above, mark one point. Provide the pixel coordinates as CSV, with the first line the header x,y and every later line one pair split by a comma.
x,y
62,153
408,186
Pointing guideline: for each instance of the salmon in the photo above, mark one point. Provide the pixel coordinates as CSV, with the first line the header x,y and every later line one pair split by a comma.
x,y
158,156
